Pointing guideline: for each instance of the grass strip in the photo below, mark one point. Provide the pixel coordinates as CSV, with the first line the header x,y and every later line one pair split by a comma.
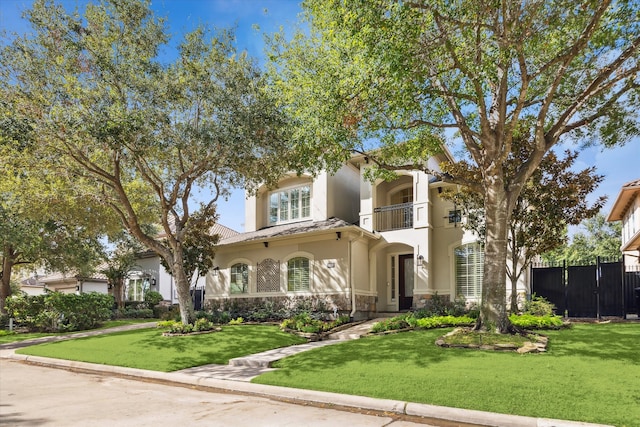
x,y
148,349
9,337
590,373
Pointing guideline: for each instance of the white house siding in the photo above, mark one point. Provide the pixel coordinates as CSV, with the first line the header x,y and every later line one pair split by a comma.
x,y
89,286
151,267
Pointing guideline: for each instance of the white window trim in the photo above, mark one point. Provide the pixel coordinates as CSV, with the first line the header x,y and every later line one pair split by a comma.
x,y
452,264
284,270
288,189
252,272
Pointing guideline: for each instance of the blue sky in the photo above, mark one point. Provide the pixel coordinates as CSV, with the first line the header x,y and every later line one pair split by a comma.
x,y
619,165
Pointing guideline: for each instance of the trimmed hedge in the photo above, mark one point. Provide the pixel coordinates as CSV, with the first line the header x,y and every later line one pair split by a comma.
x,y
58,312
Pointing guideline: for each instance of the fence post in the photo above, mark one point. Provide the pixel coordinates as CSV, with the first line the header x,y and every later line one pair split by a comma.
x,y
597,291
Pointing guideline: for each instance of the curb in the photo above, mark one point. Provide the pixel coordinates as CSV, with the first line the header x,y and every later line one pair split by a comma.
x,y
310,396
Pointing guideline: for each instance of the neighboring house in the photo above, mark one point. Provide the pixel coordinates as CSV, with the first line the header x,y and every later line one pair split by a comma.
x,y
357,246
72,283
30,286
148,274
626,208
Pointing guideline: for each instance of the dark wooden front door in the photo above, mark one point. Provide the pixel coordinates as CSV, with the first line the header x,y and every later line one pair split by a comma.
x,y
405,281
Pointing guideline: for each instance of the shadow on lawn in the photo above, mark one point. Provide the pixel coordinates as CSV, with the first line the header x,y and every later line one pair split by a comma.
x,y
219,347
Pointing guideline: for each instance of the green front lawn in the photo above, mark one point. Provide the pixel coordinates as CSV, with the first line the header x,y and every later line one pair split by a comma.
x,y
591,373
148,349
9,337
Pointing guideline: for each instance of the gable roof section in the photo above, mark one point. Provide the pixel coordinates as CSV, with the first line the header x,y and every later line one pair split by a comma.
x,y
628,193
57,276
294,230
222,231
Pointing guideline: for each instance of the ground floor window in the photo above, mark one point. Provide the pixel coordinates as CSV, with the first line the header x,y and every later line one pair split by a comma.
x,y
136,289
298,274
469,265
239,278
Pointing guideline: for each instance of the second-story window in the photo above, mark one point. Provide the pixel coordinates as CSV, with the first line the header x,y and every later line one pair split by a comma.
x,y
290,205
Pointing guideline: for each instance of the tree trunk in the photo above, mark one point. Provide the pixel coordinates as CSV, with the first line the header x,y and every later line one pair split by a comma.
x,y
5,282
493,313
183,285
514,294
118,289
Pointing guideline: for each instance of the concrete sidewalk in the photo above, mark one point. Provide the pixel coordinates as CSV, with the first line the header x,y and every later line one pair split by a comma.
x,y
235,378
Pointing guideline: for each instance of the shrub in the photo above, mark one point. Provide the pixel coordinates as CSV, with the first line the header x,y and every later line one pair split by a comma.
x,y
441,306
392,324
176,327
442,321
405,321
237,321
153,298
55,311
538,306
305,322
530,321
202,324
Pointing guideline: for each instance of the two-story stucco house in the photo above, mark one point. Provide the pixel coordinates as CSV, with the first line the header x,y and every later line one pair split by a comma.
x,y
626,208
358,246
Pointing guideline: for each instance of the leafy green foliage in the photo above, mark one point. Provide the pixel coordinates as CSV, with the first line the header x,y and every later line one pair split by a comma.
x,y
57,312
152,298
304,322
137,134
595,238
442,321
176,327
265,310
388,78
392,324
439,305
411,321
538,306
531,321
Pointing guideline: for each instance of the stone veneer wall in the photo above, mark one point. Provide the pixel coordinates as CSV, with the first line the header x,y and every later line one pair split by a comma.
x,y
365,304
420,300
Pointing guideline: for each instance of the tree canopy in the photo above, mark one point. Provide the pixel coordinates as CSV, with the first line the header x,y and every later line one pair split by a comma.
x,y
594,238
402,76
135,132
43,223
555,197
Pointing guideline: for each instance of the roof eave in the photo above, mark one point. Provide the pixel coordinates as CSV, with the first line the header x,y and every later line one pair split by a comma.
x,y
353,228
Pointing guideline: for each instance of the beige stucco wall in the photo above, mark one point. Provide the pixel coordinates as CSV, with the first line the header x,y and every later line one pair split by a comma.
x,y
343,194
445,239
328,256
331,196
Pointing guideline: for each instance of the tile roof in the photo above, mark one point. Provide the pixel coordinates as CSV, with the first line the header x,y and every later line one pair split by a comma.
x,y
288,230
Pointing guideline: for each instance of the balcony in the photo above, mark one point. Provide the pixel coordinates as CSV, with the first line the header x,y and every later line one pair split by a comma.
x,y
393,217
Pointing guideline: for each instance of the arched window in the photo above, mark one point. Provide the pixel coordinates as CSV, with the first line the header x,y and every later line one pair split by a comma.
x,y
402,196
469,261
239,278
298,274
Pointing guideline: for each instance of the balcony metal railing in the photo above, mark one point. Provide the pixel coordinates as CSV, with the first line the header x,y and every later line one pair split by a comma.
x,y
393,217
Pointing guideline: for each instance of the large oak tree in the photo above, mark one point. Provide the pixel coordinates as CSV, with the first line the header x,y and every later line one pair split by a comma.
x,y
138,128
397,75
